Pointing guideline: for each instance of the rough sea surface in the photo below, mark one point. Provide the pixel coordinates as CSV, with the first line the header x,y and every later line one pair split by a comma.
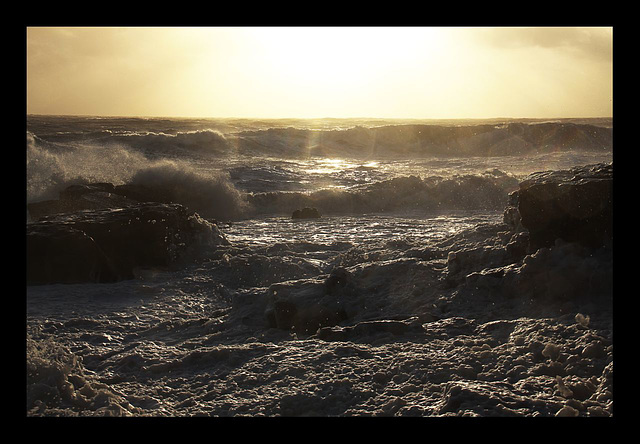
x,y
403,261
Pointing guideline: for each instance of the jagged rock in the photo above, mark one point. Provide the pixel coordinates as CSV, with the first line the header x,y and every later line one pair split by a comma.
x,y
306,213
566,271
93,200
462,262
94,196
574,205
558,249
76,191
109,244
511,216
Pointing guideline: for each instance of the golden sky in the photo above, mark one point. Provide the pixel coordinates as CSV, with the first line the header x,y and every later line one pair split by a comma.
x,y
307,72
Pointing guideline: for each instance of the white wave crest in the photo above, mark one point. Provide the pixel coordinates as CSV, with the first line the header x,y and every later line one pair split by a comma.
x,y
406,193
51,168
210,193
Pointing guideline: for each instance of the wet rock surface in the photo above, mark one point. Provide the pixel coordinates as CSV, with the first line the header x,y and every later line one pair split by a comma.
x,y
107,245
574,205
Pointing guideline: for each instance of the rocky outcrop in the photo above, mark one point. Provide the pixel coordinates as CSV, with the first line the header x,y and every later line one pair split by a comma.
x,y
574,205
558,252
94,196
108,245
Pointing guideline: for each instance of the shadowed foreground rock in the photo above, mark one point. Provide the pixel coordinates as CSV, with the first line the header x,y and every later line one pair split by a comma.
x,y
574,205
107,245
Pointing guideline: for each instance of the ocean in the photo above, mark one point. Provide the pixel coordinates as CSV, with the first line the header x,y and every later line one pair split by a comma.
x,y
398,200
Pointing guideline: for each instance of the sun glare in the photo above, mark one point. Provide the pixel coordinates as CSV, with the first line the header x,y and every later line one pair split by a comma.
x,y
340,68
315,72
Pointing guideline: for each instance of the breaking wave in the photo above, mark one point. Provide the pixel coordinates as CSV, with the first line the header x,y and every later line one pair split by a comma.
x,y
50,169
206,141
383,140
212,195
401,194
239,174
52,166
426,140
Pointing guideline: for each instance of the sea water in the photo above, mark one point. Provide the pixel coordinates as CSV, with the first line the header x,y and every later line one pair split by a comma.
x,y
185,341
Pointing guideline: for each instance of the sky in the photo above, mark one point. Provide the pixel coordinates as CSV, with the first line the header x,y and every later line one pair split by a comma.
x,y
315,72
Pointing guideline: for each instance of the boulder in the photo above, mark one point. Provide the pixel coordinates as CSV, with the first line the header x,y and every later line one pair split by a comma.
x,y
306,213
107,245
574,205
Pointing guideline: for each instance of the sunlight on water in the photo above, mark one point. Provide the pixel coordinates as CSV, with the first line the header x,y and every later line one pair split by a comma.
x,y
328,166
367,230
411,237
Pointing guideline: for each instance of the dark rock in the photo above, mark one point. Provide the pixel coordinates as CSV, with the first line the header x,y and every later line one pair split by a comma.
x,y
511,215
141,193
306,213
94,196
79,198
62,254
73,192
38,210
339,281
450,327
282,315
573,205
305,319
87,201
310,319
566,272
307,305
109,244
518,246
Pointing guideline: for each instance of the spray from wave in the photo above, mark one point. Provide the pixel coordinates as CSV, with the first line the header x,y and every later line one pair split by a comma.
x,y
51,168
211,194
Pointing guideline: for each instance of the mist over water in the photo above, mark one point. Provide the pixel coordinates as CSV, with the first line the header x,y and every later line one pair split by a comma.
x,y
398,199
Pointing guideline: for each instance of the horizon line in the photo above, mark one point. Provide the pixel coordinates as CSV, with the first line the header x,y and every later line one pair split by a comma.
x,y
124,116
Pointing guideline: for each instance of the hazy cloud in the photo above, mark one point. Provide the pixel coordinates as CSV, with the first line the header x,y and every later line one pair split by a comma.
x,y
398,72
594,43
